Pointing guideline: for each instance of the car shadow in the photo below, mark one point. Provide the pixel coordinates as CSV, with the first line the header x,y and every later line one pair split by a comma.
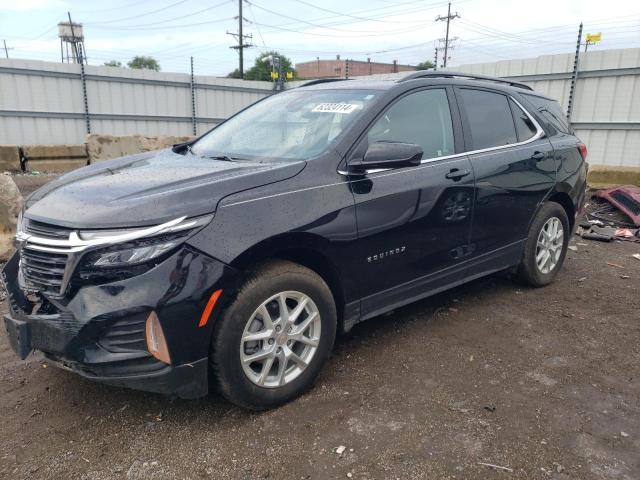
x,y
93,399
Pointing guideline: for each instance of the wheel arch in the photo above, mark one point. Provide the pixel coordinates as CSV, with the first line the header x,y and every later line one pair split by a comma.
x,y
304,249
565,202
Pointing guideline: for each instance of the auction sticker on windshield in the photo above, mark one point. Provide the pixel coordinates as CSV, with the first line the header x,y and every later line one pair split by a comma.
x,y
335,107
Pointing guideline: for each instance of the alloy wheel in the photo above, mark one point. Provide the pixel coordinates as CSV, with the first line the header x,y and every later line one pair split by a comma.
x,y
549,246
280,339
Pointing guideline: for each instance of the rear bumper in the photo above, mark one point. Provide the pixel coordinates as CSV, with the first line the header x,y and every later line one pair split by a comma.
x,y
99,332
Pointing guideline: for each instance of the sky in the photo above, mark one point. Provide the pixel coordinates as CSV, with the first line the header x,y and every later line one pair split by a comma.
x,y
384,30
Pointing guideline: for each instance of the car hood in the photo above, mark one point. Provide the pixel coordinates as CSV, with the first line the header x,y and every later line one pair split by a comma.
x,y
148,189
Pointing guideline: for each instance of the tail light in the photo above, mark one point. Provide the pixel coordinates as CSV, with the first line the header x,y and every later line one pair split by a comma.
x,y
582,148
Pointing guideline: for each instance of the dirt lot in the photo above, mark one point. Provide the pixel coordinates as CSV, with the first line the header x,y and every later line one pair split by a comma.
x,y
544,382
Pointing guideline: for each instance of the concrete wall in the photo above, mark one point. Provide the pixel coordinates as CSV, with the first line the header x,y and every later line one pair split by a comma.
x,y
43,102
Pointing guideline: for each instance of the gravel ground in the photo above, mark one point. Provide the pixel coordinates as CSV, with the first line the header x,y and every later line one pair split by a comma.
x,y
543,382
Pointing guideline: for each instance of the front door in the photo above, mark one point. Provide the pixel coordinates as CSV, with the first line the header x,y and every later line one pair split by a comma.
x,y
413,223
514,167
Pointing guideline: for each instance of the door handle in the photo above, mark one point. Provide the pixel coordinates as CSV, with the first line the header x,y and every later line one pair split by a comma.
x,y
456,174
537,156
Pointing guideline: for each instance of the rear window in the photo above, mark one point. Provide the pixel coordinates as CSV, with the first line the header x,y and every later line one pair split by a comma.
x,y
490,118
550,111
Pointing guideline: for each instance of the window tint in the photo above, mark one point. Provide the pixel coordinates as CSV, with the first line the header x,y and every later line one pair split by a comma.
x,y
551,111
489,118
422,118
524,126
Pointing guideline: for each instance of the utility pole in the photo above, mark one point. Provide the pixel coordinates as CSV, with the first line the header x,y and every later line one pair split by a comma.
x,y
6,49
435,60
241,38
448,18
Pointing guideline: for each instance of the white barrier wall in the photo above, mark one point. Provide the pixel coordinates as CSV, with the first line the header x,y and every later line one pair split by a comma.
x,y
42,102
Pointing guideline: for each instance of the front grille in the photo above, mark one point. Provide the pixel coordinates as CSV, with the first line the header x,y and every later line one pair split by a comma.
x,y
43,271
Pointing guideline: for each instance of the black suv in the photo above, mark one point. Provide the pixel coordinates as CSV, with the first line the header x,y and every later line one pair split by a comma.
x,y
234,260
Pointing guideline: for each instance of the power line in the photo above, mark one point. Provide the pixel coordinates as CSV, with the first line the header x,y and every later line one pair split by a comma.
x,y
217,5
316,25
139,15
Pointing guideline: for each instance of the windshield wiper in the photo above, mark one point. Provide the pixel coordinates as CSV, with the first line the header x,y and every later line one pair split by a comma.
x,y
223,156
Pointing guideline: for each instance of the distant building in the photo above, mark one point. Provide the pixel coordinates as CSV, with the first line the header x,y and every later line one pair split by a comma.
x,y
343,68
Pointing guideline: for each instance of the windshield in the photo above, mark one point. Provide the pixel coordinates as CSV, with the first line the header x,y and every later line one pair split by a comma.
x,y
291,125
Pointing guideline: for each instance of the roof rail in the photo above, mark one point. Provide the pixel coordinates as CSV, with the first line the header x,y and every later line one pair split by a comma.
x,y
323,80
447,74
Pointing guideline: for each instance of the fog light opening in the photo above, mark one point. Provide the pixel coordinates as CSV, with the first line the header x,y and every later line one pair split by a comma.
x,y
156,343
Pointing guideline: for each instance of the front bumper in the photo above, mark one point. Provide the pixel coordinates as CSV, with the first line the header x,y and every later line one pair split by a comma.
x,y
99,332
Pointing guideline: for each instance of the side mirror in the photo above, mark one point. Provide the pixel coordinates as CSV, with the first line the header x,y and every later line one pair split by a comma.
x,y
388,155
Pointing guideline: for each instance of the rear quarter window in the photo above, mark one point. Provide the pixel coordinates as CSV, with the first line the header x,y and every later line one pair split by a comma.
x,y
551,111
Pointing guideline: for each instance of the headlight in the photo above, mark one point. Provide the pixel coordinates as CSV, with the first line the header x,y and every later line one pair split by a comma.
x,y
118,252
133,256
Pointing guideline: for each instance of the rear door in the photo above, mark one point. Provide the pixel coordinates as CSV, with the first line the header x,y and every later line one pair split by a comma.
x,y
514,168
413,223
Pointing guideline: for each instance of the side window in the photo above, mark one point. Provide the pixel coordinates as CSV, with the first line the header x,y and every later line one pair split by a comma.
x,y
551,111
524,126
422,118
489,118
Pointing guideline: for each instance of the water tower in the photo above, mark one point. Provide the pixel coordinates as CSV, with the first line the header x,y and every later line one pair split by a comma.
x,y
71,42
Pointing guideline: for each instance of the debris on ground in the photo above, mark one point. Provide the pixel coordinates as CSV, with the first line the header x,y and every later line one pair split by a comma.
x,y
606,222
611,264
636,256
340,450
624,233
625,198
497,467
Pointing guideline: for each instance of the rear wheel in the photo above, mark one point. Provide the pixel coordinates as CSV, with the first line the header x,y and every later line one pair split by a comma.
x,y
270,344
546,246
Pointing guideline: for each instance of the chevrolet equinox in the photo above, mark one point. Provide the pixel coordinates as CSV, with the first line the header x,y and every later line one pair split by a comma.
x,y
233,260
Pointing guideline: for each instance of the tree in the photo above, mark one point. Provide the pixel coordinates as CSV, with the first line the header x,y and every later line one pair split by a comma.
x,y
261,69
426,65
113,63
141,61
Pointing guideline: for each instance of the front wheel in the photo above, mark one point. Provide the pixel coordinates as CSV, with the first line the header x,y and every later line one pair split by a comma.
x,y
546,246
270,344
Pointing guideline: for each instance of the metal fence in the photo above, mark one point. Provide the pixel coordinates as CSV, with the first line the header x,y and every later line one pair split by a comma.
x,y
606,107
44,102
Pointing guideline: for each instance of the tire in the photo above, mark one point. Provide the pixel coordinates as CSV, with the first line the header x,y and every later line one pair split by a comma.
x,y
246,384
530,270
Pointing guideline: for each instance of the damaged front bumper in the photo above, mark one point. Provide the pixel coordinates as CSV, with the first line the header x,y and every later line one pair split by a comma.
x,y
99,331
